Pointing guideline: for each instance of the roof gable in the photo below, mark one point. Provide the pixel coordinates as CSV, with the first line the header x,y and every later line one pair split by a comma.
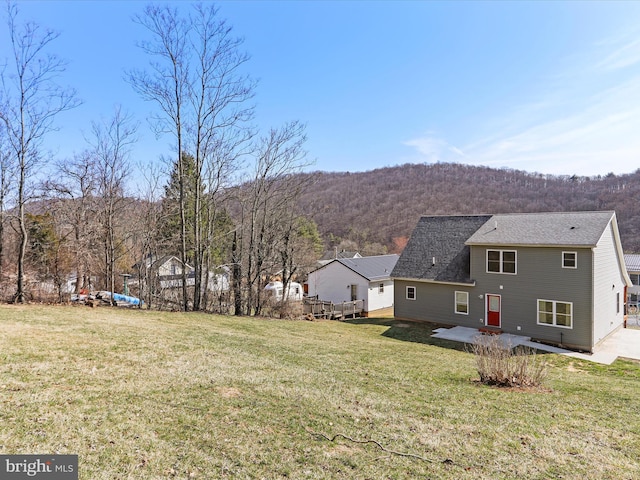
x,y
543,229
436,250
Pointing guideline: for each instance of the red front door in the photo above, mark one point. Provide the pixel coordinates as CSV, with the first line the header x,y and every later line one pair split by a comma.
x,y
493,310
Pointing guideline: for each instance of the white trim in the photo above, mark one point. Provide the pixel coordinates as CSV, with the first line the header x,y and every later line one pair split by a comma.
x,y
415,292
613,224
575,256
501,260
455,302
554,324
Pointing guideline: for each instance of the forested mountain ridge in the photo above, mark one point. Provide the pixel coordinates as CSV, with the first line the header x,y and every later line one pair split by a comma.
x,y
382,206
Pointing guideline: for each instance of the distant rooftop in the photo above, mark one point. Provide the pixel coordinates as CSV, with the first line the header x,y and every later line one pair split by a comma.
x,y
333,254
632,261
378,267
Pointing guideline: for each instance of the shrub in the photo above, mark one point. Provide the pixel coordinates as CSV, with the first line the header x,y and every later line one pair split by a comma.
x,y
499,364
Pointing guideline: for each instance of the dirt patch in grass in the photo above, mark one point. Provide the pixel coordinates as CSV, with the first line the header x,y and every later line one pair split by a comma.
x,y
229,392
572,368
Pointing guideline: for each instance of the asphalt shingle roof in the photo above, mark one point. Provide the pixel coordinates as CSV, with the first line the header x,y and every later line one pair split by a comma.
x,y
632,261
439,238
556,228
372,268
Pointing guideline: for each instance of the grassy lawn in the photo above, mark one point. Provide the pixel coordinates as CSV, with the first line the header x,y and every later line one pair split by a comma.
x,y
140,394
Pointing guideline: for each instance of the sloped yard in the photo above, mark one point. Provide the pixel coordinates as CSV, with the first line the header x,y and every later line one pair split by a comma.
x,y
140,394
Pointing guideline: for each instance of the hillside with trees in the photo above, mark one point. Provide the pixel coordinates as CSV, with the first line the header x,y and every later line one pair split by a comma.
x,y
378,209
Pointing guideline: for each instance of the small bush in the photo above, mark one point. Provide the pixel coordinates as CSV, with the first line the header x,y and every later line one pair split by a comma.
x,y
499,364
290,309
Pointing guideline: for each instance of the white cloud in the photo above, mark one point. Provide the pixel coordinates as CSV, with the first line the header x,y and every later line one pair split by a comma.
x,y
596,135
577,123
433,149
620,52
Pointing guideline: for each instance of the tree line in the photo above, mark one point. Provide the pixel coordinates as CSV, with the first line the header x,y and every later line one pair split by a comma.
x,y
376,211
228,203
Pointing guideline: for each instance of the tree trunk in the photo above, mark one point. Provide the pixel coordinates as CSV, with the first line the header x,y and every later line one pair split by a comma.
x,y
237,275
20,294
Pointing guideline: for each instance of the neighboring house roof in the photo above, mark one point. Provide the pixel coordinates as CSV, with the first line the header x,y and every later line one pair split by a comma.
x,y
333,254
166,259
154,264
439,238
632,261
372,268
579,229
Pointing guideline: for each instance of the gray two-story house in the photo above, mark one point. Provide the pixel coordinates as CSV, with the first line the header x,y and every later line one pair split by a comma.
x,y
555,277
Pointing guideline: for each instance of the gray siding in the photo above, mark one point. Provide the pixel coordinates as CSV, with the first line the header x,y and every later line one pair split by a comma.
x,y
608,287
434,303
539,276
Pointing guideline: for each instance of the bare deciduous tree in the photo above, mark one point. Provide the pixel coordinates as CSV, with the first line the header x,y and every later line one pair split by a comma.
x,y
6,173
73,197
166,84
195,78
111,144
30,101
148,233
269,204
218,96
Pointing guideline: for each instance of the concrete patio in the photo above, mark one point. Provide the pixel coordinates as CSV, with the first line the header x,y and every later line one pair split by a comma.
x,y
624,343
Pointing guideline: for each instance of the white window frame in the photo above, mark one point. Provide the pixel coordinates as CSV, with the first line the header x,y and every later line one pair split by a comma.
x,y
554,313
456,303
415,293
381,288
501,261
575,260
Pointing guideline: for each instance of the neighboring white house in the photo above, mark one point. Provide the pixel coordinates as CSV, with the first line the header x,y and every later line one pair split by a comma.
x,y
361,278
168,272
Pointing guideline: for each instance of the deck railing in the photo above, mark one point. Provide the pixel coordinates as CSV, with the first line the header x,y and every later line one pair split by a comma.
x,y
325,309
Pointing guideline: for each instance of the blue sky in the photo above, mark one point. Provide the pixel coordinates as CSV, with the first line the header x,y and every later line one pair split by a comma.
x,y
549,87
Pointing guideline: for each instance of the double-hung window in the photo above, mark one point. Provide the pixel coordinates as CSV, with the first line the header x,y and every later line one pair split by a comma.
x,y
501,261
462,303
411,293
555,313
569,260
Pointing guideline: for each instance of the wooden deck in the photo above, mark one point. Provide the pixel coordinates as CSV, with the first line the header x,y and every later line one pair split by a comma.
x,y
334,311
